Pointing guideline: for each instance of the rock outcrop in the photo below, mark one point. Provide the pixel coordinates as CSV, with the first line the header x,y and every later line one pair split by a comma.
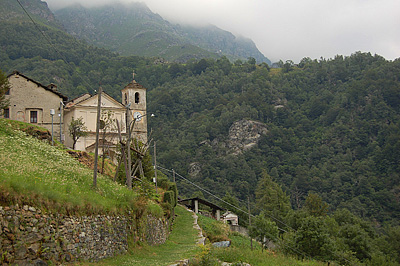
x,y
243,135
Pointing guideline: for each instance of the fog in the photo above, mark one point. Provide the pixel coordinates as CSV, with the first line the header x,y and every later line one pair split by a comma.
x,y
290,29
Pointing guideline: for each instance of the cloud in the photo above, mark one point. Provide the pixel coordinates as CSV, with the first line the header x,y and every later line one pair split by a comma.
x,y
291,29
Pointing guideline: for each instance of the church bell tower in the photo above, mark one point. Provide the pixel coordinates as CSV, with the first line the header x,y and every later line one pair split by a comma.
x,y
134,97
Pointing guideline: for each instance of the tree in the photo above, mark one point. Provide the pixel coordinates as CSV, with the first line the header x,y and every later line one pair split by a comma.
x,y
315,206
310,239
288,66
264,230
4,88
271,199
77,129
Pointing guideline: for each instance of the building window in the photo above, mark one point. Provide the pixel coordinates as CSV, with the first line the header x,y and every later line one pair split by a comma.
x,y
34,115
126,98
7,113
137,97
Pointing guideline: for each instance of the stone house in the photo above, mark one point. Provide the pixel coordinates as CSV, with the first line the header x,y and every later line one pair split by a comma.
x,y
32,102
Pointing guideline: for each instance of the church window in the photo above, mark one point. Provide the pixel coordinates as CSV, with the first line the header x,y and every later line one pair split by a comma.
x,y
126,98
34,115
137,97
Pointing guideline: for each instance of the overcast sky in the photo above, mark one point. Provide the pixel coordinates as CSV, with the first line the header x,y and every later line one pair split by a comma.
x,y
291,29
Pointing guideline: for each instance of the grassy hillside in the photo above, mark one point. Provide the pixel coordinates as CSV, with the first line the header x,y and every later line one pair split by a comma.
x,y
34,172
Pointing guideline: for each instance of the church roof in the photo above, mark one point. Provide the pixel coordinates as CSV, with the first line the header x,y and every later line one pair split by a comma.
x,y
134,85
85,97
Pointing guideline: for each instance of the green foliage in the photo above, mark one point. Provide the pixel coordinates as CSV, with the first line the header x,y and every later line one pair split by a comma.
x,y
144,33
341,237
333,130
315,206
181,243
169,197
214,230
4,88
271,199
240,251
33,172
264,230
77,129
204,258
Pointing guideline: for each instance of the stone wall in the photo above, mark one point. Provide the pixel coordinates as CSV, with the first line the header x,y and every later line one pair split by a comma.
x,y
157,230
240,229
28,236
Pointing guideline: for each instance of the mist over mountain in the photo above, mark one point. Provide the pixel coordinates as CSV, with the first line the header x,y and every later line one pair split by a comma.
x,y
133,29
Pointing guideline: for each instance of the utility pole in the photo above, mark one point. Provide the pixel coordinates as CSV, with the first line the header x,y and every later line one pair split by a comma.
x,y
96,151
248,205
52,112
61,113
128,146
155,165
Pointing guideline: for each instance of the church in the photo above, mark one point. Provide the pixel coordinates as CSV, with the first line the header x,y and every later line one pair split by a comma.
x,y
48,108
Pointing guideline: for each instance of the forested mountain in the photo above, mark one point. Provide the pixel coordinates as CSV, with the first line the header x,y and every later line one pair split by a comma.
x,y
133,29
333,129
319,137
330,126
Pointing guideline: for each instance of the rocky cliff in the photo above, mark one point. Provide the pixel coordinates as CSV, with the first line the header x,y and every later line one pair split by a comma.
x,y
244,134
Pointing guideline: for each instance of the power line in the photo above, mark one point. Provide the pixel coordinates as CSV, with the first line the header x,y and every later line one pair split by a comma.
x,y
208,192
187,180
271,236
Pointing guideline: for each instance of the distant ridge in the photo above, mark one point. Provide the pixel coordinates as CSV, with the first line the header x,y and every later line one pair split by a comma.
x,y
133,29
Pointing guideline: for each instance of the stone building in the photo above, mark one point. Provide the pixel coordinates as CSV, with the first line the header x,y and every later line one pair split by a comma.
x,y
134,96
85,107
230,218
32,102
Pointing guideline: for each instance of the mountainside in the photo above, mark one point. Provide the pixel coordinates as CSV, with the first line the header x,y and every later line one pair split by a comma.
x,y
329,126
133,29
11,11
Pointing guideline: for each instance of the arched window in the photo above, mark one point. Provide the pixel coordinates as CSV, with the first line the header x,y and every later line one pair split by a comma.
x,y
137,97
126,98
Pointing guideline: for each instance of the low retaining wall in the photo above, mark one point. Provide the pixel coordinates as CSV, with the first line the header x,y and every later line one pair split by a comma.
x,y
28,236
240,229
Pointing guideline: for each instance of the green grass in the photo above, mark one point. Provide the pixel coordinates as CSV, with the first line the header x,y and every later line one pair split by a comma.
x,y
34,172
212,229
240,251
181,244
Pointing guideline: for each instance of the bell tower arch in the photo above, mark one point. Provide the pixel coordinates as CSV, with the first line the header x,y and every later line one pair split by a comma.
x,y
134,96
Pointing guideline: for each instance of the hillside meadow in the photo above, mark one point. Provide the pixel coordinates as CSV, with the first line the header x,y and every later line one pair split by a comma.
x,y
34,172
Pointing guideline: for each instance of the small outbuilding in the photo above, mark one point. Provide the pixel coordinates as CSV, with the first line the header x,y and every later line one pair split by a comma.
x,y
193,204
230,218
